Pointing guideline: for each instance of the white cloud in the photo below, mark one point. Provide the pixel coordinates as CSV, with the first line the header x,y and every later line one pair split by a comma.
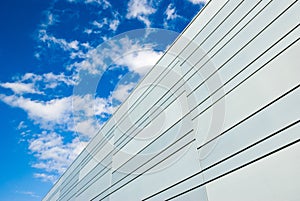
x,y
105,23
140,9
198,1
62,43
85,110
50,19
141,60
21,88
28,193
90,106
54,156
53,153
53,80
122,91
93,62
32,77
88,31
104,3
73,113
45,113
171,12
99,25
76,113
137,57
74,45
114,25
50,80
21,125
88,127
46,177
86,45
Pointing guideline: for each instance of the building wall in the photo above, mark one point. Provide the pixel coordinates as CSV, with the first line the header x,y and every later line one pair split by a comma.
x,y
217,118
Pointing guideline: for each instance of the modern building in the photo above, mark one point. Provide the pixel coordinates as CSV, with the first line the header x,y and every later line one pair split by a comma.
x,y
217,118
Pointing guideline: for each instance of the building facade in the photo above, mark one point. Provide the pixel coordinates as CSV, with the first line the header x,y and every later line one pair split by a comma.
x,y
217,118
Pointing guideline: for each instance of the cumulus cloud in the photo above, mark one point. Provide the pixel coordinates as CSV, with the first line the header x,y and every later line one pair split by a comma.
x,y
92,63
45,113
21,88
140,9
122,91
88,127
139,58
52,153
71,114
81,114
86,110
46,177
74,113
31,77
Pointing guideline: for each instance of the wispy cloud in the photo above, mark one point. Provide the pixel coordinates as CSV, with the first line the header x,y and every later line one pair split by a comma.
x,y
104,3
98,24
50,19
21,125
52,80
101,26
28,193
171,12
46,177
113,25
51,40
38,83
199,1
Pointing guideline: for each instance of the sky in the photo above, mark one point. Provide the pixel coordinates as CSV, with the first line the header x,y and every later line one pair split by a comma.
x,y
66,65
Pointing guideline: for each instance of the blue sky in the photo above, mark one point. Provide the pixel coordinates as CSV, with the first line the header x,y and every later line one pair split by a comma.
x,y
51,51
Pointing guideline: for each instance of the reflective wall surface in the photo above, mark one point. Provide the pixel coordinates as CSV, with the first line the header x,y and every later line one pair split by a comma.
x,y
217,118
